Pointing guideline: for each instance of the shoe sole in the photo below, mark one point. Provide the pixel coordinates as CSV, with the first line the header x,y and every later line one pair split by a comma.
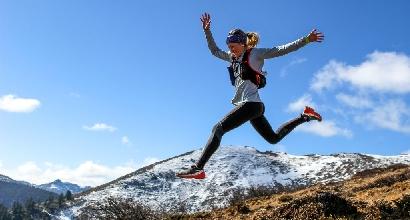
x,y
315,117
197,176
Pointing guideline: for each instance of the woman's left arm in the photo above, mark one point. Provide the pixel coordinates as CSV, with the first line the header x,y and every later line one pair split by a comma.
x,y
313,36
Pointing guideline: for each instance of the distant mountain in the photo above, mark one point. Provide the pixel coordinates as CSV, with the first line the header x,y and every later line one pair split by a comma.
x,y
5,178
18,191
8,179
231,168
62,187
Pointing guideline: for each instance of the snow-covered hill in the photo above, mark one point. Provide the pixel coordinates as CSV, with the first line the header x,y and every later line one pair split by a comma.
x,y
229,168
62,187
6,179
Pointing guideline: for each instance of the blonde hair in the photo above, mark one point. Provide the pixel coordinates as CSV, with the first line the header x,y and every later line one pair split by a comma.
x,y
253,39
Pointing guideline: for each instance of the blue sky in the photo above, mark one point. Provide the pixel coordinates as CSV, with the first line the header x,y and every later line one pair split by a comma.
x,y
91,90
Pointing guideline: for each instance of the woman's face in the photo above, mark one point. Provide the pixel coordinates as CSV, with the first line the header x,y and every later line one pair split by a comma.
x,y
236,49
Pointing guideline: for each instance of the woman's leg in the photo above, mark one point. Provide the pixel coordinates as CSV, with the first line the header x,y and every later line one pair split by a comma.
x,y
234,119
263,127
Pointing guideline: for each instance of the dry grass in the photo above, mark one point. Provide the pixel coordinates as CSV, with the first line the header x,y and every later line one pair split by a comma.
x,y
373,194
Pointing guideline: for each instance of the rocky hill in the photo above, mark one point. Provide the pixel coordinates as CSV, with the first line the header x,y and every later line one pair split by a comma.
x,y
229,170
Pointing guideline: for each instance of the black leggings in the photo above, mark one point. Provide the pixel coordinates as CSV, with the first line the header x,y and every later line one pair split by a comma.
x,y
248,111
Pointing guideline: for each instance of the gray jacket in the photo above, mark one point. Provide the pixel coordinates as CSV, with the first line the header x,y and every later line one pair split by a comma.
x,y
245,90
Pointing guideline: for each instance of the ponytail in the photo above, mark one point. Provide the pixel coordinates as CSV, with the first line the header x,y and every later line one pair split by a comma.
x,y
253,39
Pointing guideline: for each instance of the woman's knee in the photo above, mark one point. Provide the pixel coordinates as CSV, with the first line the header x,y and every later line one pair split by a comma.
x,y
218,131
274,139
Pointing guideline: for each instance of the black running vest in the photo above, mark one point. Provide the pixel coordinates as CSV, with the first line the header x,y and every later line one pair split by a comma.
x,y
247,72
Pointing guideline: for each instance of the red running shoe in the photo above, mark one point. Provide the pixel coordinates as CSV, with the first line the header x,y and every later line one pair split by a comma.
x,y
192,173
311,114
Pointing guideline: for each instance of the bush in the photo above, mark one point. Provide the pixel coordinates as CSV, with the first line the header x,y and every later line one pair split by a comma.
x,y
403,206
240,194
324,205
285,198
116,208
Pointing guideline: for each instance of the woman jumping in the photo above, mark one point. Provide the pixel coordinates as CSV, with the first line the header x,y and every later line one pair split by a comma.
x,y
247,76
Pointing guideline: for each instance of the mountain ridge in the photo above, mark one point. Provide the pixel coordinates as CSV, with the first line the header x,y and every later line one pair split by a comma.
x,y
19,191
60,187
230,168
138,171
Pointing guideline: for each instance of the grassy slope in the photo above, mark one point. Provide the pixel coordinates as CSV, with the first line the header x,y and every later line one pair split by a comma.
x,y
372,194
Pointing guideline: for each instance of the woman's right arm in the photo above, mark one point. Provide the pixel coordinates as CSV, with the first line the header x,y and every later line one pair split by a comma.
x,y
267,53
206,25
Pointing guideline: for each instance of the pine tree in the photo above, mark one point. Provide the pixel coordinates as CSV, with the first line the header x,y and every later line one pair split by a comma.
x,y
61,199
17,211
68,195
31,208
4,213
51,204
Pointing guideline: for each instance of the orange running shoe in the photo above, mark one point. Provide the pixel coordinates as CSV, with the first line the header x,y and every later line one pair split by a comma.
x,y
311,114
192,173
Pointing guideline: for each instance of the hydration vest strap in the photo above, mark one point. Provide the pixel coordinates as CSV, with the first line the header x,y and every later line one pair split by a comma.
x,y
231,74
250,74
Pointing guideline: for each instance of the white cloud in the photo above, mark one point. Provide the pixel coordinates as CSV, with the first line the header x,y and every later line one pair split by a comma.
x,y
393,115
354,101
100,127
379,85
29,168
328,76
12,103
88,173
325,129
406,152
125,140
299,105
381,72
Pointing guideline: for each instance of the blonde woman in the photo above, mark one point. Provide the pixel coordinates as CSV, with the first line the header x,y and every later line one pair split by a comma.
x,y
246,62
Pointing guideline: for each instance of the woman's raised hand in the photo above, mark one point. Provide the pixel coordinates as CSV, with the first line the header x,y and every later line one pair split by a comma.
x,y
315,36
206,21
